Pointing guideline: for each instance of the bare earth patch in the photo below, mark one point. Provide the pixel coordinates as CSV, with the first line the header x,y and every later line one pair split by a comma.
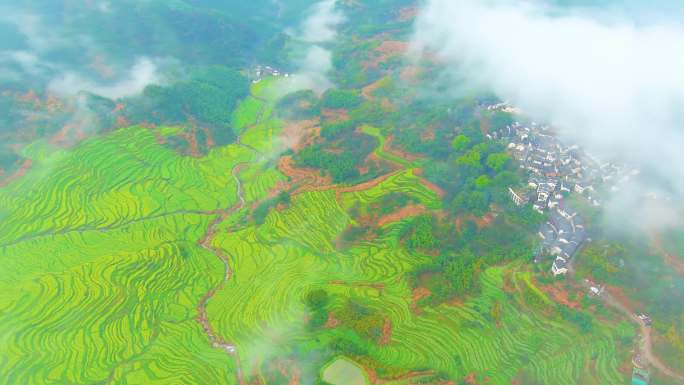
x,y
562,296
388,148
17,174
670,259
418,294
335,115
309,179
437,190
402,213
300,134
386,336
386,50
407,13
332,322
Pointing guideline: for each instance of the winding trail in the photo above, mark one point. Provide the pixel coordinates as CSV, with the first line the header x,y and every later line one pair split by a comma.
x,y
646,341
206,243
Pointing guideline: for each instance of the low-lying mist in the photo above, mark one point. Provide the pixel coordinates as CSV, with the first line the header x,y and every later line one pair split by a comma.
x,y
606,75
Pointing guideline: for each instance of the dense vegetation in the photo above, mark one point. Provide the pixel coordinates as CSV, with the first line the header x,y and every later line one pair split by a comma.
x,y
407,258
207,98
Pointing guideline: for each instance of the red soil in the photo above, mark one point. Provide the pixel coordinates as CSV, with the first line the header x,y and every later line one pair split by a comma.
x,y
410,73
672,260
404,212
377,286
367,92
300,134
53,103
335,115
30,97
159,138
385,50
561,295
295,379
309,179
438,190
121,121
480,222
191,138
209,141
407,13
619,295
386,336
418,294
17,174
366,185
118,107
332,322
69,133
470,379
400,378
397,151
428,135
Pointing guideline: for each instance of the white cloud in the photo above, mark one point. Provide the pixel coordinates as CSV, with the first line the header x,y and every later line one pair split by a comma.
x,y
615,86
312,71
318,28
143,73
321,25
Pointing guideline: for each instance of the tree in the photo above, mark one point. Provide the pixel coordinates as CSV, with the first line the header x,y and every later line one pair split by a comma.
x,y
317,298
460,143
498,161
337,99
421,235
471,158
482,182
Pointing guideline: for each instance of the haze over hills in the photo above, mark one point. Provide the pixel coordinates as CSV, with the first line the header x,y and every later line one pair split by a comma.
x,y
341,192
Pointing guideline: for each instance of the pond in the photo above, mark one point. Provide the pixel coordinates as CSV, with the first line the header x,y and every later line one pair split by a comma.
x,y
343,371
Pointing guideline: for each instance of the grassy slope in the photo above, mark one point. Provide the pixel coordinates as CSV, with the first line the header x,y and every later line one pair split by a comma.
x,y
101,269
294,252
102,272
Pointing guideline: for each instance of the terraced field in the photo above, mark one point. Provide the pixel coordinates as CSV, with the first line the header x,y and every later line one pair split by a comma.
x,y
101,268
379,152
103,273
292,254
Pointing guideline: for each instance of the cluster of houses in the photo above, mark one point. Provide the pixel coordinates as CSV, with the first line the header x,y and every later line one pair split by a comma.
x,y
260,72
555,171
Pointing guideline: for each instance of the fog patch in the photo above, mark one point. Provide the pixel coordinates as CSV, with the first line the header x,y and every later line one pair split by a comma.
x,y
313,65
613,85
321,26
143,73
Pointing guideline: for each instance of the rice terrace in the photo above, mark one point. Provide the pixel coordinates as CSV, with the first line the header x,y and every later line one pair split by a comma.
x,y
323,192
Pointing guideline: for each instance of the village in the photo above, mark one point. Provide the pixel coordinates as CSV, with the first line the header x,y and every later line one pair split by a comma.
x,y
260,72
555,172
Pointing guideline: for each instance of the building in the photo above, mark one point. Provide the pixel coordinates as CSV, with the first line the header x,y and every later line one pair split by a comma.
x,y
640,376
560,266
518,198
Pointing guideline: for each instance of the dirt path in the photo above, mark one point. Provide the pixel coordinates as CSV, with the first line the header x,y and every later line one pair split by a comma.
x,y
206,243
646,342
404,212
676,263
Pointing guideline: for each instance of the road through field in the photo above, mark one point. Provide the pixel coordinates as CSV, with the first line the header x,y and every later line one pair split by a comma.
x,y
205,242
646,342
